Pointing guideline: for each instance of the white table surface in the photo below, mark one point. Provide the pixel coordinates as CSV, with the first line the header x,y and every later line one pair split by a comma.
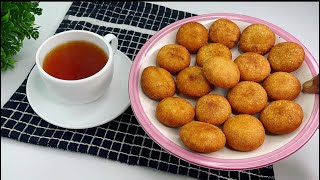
x,y
25,161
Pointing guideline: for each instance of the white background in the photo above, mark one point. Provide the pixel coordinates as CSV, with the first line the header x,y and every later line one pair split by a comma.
x,y
25,161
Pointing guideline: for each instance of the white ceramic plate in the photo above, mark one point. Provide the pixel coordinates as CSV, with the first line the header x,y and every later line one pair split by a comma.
x,y
106,108
273,149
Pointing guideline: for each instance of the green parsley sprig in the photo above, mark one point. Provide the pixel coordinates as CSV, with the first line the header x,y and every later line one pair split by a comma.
x,y
17,23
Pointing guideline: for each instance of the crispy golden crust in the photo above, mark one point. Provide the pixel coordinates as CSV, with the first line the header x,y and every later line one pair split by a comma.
x,y
192,82
244,132
281,117
202,137
253,67
247,97
213,108
221,72
173,57
282,86
157,83
257,38
212,50
225,32
174,111
193,36
286,56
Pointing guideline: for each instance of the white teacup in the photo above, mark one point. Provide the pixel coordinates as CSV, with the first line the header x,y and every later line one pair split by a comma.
x,y
83,90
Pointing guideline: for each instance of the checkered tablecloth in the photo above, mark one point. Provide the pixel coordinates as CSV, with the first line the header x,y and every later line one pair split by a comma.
x,y
122,139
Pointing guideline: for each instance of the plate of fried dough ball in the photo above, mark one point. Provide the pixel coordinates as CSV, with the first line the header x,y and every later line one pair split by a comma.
x,y
224,91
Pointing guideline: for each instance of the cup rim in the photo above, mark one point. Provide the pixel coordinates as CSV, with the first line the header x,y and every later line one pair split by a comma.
x,y
108,64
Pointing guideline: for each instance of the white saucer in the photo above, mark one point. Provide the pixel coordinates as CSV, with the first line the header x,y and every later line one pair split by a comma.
x,y
114,102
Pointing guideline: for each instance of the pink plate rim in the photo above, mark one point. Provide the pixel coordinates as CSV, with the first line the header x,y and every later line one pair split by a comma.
x,y
217,163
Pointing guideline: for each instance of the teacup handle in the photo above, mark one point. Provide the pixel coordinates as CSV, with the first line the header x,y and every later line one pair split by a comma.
x,y
113,40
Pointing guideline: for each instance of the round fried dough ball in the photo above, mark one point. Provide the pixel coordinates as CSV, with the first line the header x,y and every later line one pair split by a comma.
x,y
221,72
173,57
282,86
286,56
253,67
213,108
174,111
257,38
244,132
192,82
157,83
193,36
202,137
212,50
281,117
225,32
247,97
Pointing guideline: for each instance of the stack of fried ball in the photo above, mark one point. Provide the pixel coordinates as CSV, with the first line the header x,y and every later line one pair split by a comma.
x,y
251,80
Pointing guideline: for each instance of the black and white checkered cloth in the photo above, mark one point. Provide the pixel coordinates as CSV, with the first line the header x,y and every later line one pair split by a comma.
x,y
122,139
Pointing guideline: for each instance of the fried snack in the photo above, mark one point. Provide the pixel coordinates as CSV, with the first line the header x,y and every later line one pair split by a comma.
x,y
225,32
202,137
193,36
247,97
286,56
213,108
157,83
311,86
253,67
281,117
221,72
174,111
212,50
192,82
282,86
244,132
257,38
173,57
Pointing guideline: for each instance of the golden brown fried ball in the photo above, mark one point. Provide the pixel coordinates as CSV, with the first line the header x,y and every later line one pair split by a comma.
x,y
157,83
202,137
282,86
286,56
281,117
257,38
192,82
247,97
193,36
174,111
213,108
244,132
253,67
221,72
212,50
173,57
225,32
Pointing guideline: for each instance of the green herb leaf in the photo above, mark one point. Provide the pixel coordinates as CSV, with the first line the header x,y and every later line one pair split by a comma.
x,y
17,23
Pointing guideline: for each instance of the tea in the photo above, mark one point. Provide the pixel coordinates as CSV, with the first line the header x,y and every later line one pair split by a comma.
x,y
75,60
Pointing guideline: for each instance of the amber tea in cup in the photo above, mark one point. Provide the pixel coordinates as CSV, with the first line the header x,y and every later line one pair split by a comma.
x,y
75,60
76,66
